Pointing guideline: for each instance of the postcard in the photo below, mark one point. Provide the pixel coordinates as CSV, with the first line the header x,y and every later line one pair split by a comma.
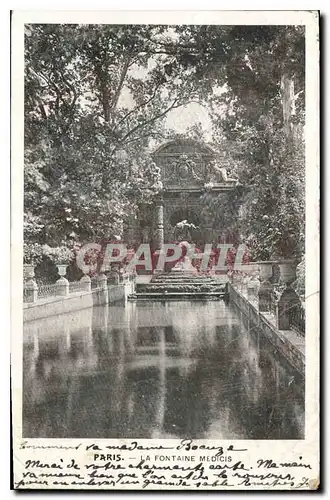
x,y
165,250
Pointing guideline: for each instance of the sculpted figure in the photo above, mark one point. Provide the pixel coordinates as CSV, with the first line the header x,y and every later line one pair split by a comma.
x,y
221,174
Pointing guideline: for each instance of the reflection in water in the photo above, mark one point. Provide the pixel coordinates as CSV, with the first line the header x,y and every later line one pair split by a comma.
x,y
157,370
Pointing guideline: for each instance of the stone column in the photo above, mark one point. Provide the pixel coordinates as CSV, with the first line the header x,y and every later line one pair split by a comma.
x,y
159,223
103,289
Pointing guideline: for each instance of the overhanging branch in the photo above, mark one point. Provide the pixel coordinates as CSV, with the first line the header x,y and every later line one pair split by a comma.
x,y
174,105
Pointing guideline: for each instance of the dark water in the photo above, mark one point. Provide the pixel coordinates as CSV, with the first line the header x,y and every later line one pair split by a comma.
x,y
158,370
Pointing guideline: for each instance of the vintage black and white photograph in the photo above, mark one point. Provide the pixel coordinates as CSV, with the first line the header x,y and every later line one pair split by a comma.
x,y
164,238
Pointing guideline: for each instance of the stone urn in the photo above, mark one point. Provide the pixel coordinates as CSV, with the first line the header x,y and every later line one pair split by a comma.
x,y
265,270
287,271
28,271
62,282
61,269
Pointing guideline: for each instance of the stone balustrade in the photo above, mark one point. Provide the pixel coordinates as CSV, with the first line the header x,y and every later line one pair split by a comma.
x,y
273,296
34,292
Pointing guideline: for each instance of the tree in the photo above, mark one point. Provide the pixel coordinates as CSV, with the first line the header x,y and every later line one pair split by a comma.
x,y
258,119
95,96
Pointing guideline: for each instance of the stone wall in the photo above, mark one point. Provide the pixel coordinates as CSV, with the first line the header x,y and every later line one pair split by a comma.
x,y
54,306
44,328
287,342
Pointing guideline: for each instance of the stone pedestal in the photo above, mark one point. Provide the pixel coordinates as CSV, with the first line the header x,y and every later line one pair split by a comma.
x,y
62,287
253,287
252,291
62,283
265,296
102,281
31,290
113,278
86,283
103,285
286,304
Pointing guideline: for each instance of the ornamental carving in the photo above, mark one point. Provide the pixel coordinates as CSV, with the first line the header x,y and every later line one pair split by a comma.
x,y
183,170
190,164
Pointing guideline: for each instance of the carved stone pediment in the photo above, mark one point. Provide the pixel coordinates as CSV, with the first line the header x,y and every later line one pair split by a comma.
x,y
184,171
190,164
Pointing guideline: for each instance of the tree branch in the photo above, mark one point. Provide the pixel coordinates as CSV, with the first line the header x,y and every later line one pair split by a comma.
x,y
151,120
151,134
42,109
137,108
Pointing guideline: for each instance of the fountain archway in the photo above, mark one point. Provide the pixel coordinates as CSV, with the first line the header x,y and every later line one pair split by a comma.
x,y
188,170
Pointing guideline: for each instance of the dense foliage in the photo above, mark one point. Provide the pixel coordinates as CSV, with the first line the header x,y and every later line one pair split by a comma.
x,y
259,131
92,106
97,95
